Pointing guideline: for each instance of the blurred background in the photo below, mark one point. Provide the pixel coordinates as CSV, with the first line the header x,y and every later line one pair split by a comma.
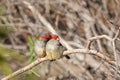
x,y
76,21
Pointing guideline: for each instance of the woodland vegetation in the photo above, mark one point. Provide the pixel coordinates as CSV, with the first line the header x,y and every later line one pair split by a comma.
x,y
89,29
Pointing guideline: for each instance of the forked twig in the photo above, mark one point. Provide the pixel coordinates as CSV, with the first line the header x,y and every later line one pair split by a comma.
x,y
96,38
113,43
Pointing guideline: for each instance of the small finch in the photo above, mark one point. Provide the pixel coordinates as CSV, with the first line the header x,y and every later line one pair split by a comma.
x,y
54,49
40,45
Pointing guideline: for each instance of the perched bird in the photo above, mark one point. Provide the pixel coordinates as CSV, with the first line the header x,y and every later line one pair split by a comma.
x,y
40,45
54,49
57,38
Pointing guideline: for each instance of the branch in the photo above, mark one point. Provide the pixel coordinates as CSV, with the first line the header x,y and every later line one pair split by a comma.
x,y
46,23
113,45
114,51
96,38
38,61
26,68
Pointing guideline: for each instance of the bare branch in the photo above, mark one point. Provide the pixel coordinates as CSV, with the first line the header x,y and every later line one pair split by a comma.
x,y
26,68
115,53
96,38
46,23
38,61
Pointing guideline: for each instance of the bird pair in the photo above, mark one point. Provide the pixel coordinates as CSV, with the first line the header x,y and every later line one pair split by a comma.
x,y
49,46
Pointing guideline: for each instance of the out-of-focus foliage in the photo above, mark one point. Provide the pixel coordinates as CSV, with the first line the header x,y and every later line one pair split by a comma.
x,y
4,66
9,53
5,55
32,54
2,9
26,76
5,31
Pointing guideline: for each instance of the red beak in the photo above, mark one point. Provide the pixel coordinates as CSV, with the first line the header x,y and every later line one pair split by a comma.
x,y
58,39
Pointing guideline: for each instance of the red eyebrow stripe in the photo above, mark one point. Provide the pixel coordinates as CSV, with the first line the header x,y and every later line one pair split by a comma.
x,y
55,37
45,37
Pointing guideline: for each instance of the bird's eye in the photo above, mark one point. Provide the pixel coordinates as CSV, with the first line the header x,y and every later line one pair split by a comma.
x,y
59,44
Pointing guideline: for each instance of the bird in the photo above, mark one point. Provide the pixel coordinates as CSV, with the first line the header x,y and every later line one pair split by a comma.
x,y
57,38
54,49
40,45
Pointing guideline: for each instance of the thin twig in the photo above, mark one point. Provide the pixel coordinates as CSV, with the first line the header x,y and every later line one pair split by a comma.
x,y
36,74
115,53
113,43
96,38
116,59
98,41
